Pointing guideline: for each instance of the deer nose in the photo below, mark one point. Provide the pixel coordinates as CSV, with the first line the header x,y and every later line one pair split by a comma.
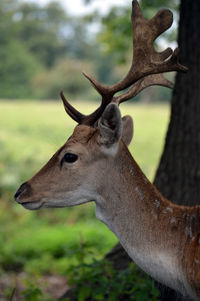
x,y
25,187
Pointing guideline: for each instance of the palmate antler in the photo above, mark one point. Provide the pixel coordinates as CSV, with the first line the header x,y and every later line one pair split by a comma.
x,y
146,68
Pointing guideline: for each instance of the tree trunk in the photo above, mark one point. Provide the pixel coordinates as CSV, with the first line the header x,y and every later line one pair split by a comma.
x,y
178,175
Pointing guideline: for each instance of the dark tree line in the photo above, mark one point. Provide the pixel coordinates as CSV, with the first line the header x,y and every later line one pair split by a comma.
x,y
44,49
34,40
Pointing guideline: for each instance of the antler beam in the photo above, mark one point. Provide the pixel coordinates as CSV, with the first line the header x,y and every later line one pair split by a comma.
x,y
146,68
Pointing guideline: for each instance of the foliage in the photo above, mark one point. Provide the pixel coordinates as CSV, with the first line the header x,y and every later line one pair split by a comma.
x,y
56,243
99,281
16,60
38,26
64,76
33,39
17,65
24,34
155,4
32,294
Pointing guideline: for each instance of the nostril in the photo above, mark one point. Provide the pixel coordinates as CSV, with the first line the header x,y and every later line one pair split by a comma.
x,y
22,188
17,194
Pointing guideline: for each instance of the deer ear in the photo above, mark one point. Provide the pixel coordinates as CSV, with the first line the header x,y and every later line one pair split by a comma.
x,y
128,129
110,125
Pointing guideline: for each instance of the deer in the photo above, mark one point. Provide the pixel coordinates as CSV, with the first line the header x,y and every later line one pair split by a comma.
x,y
95,165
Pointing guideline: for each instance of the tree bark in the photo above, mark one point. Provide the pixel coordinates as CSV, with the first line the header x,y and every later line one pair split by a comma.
x,y
178,174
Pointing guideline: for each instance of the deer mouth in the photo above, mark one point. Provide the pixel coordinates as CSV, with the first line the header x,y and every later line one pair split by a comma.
x,y
32,205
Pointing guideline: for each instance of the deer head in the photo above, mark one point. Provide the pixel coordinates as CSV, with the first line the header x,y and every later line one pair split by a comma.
x,y
69,177
81,168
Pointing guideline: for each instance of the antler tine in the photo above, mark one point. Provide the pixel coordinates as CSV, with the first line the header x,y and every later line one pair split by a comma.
x,y
101,89
79,117
150,80
71,111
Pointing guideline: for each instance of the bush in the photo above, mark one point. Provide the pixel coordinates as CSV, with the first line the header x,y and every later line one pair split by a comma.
x,y
17,68
99,281
66,76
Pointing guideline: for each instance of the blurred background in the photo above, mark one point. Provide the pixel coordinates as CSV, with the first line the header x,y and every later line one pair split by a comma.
x,y
44,46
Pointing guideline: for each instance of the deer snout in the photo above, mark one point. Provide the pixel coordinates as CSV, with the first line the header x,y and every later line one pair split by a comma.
x,y
23,196
24,190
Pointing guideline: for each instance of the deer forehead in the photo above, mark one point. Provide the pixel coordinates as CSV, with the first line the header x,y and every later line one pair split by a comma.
x,y
83,134
83,142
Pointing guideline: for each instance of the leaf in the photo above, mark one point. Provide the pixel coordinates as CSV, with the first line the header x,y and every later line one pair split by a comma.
x,y
99,297
83,293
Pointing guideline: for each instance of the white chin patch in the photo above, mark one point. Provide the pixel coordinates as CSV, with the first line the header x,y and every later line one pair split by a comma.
x,y
32,205
63,203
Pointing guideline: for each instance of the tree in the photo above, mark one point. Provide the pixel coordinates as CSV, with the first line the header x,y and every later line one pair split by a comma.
x,y
64,76
34,39
38,26
17,65
7,28
178,174
50,33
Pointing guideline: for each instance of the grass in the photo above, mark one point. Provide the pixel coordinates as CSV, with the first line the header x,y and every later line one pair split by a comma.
x,y
30,132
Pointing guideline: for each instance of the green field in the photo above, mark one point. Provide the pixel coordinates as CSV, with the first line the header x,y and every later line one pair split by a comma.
x,y
50,240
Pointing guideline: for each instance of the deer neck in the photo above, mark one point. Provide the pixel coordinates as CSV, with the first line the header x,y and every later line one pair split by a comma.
x,y
129,203
151,229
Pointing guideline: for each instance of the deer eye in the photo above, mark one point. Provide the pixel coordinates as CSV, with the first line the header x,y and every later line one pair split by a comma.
x,y
69,158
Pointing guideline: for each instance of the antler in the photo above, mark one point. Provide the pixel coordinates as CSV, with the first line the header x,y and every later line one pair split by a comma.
x,y
146,68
